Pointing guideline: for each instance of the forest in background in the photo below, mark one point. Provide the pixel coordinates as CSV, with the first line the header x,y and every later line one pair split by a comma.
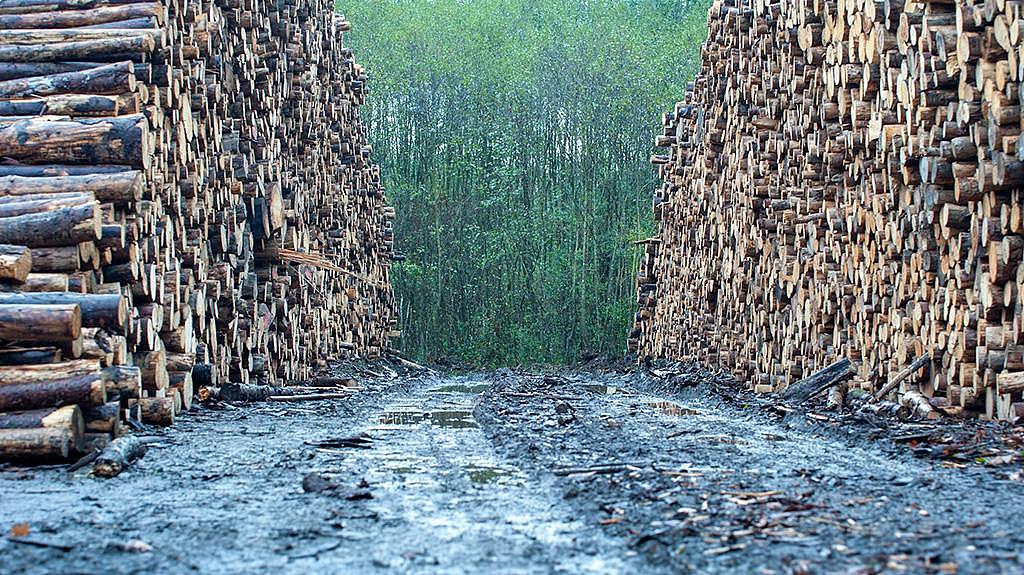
x,y
514,138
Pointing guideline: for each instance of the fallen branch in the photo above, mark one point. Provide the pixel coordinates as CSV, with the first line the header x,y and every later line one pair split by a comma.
x,y
257,393
309,397
37,543
407,362
914,366
117,456
818,382
597,469
83,461
544,396
358,442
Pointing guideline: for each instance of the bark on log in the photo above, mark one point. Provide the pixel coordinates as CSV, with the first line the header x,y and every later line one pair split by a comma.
x,y
84,390
13,207
12,168
47,323
29,356
116,187
117,456
66,105
109,312
819,382
68,417
130,47
119,140
48,371
35,6
40,443
77,18
15,262
99,79
61,227
41,283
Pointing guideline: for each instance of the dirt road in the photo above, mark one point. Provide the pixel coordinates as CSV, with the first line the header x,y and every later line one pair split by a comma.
x,y
515,473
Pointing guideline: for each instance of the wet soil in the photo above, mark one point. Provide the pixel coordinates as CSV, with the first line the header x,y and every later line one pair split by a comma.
x,y
515,472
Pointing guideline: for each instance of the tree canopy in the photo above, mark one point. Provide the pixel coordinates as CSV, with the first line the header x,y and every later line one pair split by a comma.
x,y
514,137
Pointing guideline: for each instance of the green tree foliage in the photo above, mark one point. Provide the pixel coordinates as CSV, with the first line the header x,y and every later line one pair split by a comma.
x,y
514,137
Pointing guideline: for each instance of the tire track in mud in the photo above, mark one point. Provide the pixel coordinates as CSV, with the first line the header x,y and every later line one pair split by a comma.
x,y
245,490
445,502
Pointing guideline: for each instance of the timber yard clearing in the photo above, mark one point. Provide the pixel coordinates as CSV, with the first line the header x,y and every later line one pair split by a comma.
x,y
593,471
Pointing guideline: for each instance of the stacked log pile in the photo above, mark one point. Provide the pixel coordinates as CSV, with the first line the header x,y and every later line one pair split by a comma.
x,y
844,180
186,200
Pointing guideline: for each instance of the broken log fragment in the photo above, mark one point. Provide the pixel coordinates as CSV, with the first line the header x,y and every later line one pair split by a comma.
x,y
15,263
829,377
308,397
157,410
120,454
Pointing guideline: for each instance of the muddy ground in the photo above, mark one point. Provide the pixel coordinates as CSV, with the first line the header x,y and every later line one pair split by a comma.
x,y
517,472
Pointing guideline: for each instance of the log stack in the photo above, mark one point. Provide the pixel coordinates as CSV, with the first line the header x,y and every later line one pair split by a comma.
x,y
843,180
186,200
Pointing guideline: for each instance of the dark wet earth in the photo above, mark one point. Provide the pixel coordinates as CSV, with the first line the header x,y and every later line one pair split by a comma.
x,y
514,472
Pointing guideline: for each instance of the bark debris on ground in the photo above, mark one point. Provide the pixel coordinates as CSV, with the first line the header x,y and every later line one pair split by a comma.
x,y
516,472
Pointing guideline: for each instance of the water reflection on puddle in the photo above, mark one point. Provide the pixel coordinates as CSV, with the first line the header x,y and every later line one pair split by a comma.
x,y
484,474
671,409
474,389
446,419
456,419
401,418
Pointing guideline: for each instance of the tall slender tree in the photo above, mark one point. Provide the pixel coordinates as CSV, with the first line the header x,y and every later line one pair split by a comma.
x,y
514,137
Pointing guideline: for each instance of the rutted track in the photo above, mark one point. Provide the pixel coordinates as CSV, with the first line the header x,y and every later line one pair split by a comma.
x,y
486,473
